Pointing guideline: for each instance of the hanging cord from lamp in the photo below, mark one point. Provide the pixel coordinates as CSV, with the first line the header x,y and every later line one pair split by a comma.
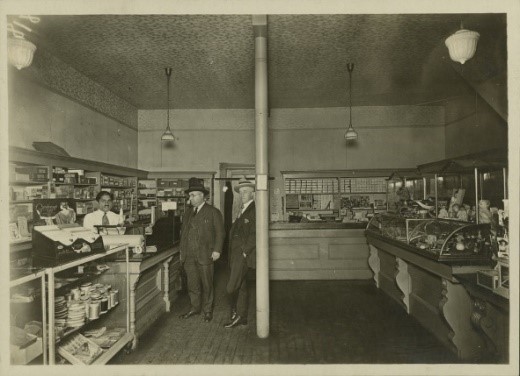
x,y
476,109
20,34
168,75
350,68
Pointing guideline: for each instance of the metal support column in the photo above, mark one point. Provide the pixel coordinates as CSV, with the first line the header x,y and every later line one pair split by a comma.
x,y
476,197
262,172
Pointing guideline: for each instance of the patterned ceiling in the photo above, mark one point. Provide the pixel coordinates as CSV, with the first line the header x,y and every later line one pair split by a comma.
x,y
399,59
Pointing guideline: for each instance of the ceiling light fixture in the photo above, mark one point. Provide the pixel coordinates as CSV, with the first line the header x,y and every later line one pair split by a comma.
x,y
350,134
462,44
19,50
168,135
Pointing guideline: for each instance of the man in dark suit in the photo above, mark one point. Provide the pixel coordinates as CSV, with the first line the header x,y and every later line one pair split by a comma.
x,y
242,254
202,237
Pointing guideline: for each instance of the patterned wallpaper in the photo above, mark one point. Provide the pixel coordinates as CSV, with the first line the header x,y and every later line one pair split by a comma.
x,y
64,79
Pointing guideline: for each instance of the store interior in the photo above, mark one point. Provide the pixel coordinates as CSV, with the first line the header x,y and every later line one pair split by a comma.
x,y
348,216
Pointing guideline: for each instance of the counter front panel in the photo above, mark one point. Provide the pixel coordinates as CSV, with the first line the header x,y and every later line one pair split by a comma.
x,y
319,253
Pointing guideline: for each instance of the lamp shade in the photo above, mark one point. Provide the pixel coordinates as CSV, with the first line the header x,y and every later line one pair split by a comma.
x,y
462,45
168,135
20,52
351,134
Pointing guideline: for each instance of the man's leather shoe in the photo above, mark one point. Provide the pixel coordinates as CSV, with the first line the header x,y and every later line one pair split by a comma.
x,y
208,316
189,314
236,322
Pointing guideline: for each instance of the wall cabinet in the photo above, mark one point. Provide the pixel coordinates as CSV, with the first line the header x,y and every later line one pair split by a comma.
x,y
26,183
347,196
171,186
42,176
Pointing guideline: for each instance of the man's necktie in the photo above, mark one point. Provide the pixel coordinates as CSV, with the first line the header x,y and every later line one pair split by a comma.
x,y
105,221
241,210
196,210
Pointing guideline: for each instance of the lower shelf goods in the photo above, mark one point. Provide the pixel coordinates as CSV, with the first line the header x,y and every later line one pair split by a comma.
x,y
90,346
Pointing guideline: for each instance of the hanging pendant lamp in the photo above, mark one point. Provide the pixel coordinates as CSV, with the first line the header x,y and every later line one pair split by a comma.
x,y
20,52
350,134
168,135
462,44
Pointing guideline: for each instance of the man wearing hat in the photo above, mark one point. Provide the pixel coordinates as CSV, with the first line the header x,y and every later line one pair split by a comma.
x,y
242,253
202,237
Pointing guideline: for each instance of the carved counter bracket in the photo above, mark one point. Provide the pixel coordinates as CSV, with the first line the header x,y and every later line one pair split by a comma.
x,y
166,283
134,278
374,263
404,282
455,306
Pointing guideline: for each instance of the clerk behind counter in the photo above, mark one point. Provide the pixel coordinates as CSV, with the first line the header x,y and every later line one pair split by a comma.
x,y
103,215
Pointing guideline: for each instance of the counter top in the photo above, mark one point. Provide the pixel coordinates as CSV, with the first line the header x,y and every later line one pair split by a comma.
x,y
140,257
316,225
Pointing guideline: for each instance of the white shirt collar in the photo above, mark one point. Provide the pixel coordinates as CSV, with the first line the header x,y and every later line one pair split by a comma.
x,y
246,205
200,206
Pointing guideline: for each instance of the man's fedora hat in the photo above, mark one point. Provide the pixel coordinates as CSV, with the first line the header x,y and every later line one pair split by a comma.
x,y
196,184
243,182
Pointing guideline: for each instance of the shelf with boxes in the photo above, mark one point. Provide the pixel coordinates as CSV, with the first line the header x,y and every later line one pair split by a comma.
x,y
171,187
172,190
40,182
26,183
334,195
146,198
124,190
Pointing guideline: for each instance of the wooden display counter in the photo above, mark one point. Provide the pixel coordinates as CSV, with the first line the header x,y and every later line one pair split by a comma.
x,y
155,279
318,251
469,320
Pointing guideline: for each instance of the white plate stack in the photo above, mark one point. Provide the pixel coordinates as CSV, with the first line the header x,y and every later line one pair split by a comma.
x,y
76,315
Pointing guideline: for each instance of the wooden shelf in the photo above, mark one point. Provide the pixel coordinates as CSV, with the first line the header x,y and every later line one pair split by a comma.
x,y
117,186
76,184
21,241
116,347
336,193
28,182
14,202
76,329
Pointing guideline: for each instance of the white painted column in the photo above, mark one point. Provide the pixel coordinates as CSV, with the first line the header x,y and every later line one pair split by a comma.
x,y
262,172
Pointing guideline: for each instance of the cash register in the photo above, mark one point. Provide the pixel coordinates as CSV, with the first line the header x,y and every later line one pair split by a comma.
x,y
58,244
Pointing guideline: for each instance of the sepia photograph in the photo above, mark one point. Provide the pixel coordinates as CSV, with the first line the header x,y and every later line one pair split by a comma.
x,y
264,188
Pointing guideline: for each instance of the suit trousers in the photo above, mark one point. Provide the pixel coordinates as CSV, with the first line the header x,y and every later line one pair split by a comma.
x,y
237,287
198,276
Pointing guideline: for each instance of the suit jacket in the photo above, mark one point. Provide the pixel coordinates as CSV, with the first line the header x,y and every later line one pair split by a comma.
x,y
206,231
242,237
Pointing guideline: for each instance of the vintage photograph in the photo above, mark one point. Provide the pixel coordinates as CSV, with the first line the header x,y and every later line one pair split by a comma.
x,y
260,189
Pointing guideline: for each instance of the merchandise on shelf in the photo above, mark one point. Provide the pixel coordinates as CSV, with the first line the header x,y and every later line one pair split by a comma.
x,y
80,350
29,173
443,240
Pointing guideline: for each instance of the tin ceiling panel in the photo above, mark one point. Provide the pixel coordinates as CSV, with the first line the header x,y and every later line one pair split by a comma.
x,y
399,59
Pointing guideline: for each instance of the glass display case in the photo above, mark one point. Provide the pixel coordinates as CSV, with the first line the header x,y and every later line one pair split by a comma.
x,y
443,240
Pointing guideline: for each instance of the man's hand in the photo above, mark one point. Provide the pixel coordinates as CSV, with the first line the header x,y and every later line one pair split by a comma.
x,y
244,254
215,256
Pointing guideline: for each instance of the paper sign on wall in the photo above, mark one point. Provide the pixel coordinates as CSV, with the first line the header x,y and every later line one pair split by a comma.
x,y
168,205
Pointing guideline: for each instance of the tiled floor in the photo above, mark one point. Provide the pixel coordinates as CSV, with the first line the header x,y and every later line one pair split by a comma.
x,y
311,322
